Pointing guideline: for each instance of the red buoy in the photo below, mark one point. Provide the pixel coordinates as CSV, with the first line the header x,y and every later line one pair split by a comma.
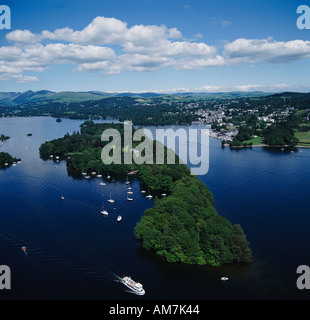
x,y
24,248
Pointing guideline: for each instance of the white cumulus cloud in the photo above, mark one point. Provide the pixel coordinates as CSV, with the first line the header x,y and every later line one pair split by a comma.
x,y
110,46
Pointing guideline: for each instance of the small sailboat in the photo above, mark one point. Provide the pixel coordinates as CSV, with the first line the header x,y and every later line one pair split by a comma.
x,y
104,212
110,200
224,278
148,195
143,191
119,218
129,199
102,184
129,192
62,198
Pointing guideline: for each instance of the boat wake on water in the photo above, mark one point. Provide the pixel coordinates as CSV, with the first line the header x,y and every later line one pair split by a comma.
x,y
40,255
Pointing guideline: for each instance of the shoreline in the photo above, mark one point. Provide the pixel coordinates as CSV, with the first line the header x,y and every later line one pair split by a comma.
x,y
264,145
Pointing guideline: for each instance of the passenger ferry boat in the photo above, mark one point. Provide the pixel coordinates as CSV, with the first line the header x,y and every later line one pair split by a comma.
x,y
134,286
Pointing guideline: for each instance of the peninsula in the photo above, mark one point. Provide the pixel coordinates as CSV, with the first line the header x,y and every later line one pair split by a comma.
x,y
183,226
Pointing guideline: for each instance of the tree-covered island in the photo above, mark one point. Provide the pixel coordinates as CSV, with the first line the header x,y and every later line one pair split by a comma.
x,y
6,160
181,227
4,137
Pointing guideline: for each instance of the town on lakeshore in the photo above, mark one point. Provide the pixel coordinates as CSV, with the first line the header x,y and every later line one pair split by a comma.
x,y
238,119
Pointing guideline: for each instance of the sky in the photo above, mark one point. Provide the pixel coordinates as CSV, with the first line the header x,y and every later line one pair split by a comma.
x,y
164,46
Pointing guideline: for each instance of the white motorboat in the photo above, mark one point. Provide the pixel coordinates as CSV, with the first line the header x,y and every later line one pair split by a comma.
x,y
119,218
133,285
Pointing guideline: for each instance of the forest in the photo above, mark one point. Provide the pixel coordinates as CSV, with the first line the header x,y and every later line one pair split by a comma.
x,y
183,226
280,133
153,111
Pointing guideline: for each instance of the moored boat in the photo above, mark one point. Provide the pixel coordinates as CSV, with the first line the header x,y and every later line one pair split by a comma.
x,y
111,200
104,212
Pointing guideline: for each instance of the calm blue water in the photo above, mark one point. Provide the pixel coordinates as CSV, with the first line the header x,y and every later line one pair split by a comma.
x,y
73,252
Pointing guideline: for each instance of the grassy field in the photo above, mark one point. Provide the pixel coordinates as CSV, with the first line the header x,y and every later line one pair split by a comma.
x,y
304,138
256,141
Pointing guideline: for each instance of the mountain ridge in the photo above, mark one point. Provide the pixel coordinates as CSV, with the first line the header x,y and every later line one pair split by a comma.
x,y
19,98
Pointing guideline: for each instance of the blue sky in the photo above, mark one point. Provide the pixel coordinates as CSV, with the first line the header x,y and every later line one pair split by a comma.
x,y
154,45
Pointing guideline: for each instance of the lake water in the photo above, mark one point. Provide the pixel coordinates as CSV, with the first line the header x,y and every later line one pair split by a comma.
x,y
74,252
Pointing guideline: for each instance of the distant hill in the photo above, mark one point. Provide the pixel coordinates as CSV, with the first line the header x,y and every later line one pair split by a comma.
x,y
19,98
291,95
